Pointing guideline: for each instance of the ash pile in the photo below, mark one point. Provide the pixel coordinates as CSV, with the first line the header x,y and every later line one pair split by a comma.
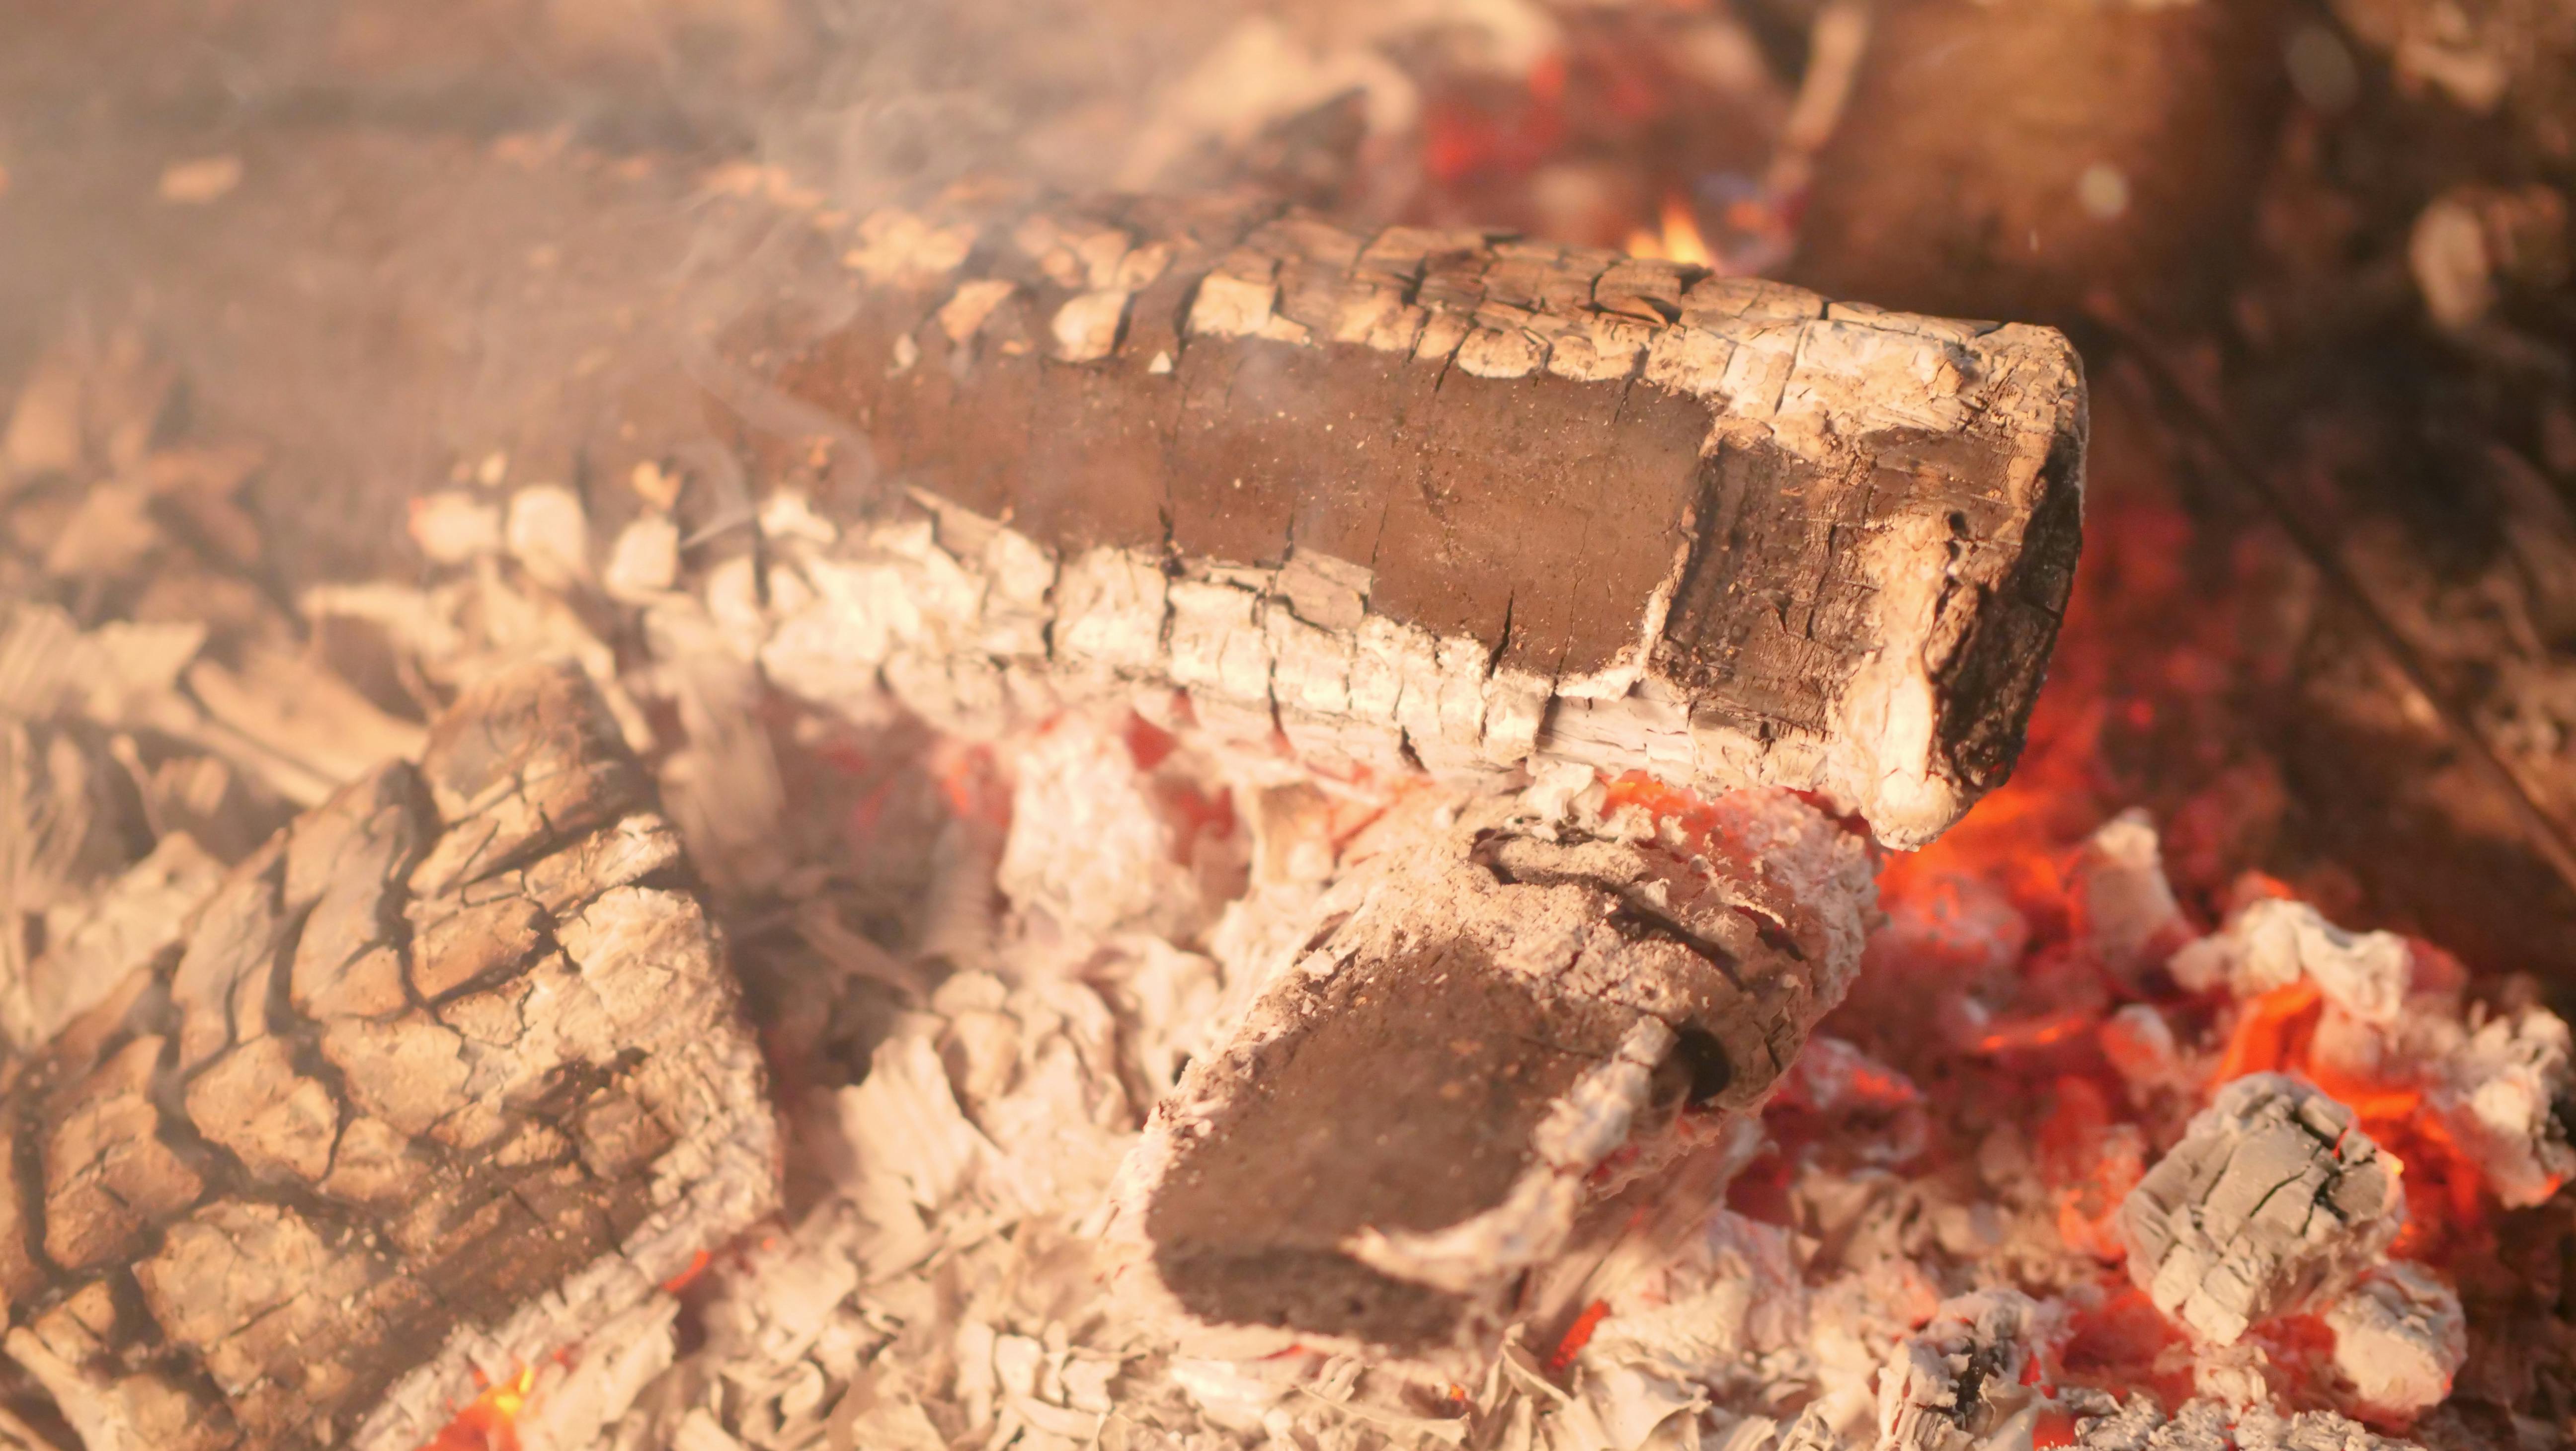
x,y
1102,1029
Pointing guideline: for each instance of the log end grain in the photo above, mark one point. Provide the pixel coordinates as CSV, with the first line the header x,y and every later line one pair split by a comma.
x,y
1419,1113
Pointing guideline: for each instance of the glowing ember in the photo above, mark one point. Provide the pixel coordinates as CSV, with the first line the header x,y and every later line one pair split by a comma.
x,y
1578,1336
491,1421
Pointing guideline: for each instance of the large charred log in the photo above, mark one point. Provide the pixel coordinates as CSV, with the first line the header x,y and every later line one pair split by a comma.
x,y
445,1074
1454,498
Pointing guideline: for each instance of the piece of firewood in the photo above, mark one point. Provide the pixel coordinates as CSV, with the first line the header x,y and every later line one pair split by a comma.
x,y
1442,497
1497,1027
2024,158
443,1075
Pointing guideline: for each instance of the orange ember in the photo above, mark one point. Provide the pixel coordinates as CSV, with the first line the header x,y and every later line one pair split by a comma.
x,y
2445,1193
1578,1336
1684,809
491,1421
697,1266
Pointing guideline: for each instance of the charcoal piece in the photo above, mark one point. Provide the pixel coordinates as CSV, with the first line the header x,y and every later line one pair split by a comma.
x,y
2504,1095
1420,1111
300,1186
1439,497
1957,1382
2400,1336
2272,1199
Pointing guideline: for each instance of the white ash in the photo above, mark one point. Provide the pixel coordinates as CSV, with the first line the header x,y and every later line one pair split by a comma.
x,y
1095,854
2497,1081
90,949
2400,1337
2272,943
945,1288
1967,1379
2129,919
2502,1094
2206,1424
2272,1199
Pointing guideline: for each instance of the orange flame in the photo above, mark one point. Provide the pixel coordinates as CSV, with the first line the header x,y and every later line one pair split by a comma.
x,y
491,1421
1680,239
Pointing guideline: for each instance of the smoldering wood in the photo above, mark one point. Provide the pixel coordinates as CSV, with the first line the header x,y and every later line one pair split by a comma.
x,y
442,1076
2027,159
1950,1386
1418,1113
2272,1199
1449,497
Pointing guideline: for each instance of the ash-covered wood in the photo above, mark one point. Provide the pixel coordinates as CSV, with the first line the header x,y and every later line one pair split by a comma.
x,y
1448,496
2272,1198
1964,1376
1419,1112
445,1074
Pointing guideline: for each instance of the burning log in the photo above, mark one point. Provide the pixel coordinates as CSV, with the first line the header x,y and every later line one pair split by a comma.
x,y
1495,1028
441,1077
2272,1199
1440,497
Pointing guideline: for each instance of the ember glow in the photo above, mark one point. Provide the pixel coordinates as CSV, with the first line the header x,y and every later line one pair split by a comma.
x,y
490,1422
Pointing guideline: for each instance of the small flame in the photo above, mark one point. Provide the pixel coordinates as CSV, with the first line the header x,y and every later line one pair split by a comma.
x,y
1680,239
491,1421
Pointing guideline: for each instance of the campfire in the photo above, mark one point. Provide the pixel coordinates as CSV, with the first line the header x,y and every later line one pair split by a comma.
x,y
1442,758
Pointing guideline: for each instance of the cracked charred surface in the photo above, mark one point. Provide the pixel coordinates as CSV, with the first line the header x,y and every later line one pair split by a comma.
x,y
1446,496
2272,1199
1493,1031
443,1074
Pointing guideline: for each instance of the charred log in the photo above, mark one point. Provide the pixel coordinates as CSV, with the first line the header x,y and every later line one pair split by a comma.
x,y
2024,159
440,1077
1448,497
1419,1113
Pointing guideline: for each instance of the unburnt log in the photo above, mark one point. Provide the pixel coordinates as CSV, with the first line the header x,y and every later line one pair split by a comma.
x,y
441,1077
1501,1035
1435,496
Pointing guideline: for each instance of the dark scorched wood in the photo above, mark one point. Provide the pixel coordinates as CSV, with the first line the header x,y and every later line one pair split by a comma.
x,y
1500,1038
1447,497
445,1074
